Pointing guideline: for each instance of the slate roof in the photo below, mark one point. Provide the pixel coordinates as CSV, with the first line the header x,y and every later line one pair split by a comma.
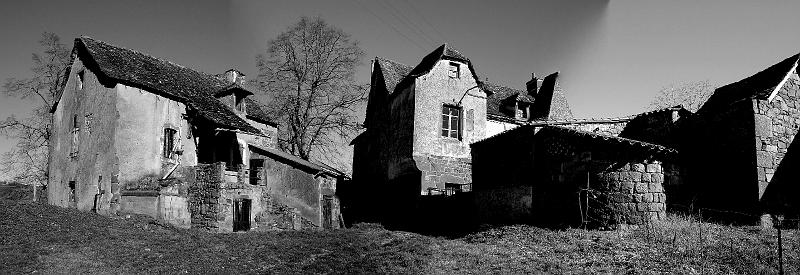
x,y
393,72
255,111
286,157
592,139
759,85
135,69
501,93
429,61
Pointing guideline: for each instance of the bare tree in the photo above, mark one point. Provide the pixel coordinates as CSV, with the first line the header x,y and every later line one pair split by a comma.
x,y
27,161
691,95
308,74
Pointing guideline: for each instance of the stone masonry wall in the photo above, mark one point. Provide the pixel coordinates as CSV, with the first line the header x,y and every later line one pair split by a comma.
x,y
204,196
438,170
633,192
776,125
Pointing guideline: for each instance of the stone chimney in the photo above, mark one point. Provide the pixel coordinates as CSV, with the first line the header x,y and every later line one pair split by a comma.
x,y
532,85
234,76
544,100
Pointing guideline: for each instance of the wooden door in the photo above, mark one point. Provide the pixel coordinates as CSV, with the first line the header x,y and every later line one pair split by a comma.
x,y
241,215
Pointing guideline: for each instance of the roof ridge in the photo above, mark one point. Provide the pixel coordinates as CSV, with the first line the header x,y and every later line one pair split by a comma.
x,y
157,58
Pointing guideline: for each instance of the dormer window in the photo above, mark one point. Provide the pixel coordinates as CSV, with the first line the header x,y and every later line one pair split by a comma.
x,y
455,70
523,110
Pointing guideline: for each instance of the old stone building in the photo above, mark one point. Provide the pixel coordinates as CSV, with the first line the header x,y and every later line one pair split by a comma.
x,y
137,134
739,144
420,121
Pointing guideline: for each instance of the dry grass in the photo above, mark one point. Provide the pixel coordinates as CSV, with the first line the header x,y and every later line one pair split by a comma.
x,y
49,239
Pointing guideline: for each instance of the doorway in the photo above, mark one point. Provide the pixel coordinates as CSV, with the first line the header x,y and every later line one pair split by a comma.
x,y
241,214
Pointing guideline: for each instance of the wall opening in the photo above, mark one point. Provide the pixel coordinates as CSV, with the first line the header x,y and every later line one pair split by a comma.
x,y
71,192
241,214
256,168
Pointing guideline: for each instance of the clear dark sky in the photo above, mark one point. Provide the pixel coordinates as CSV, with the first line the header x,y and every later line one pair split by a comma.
x,y
613,55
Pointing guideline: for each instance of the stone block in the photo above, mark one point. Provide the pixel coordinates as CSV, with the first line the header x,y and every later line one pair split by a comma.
x,y
629,187
642,187
636,176
647,197
638,198
642,207
763,125
638,167
646,177
764,159
657,178
652,168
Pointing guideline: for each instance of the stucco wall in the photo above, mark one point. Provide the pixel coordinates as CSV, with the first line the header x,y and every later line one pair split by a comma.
x,y
435,89
94,168
445,159
494,127
139,134
293,186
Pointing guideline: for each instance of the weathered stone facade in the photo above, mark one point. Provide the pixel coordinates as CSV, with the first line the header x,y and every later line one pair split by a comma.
x,y
630,193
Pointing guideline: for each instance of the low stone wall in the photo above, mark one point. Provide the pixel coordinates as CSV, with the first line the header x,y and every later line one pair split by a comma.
x,y
204,196
438,170
631,193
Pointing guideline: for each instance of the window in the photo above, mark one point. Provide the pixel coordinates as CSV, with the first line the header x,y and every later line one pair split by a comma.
x,y
72,191
80,80
169,142
451,122
76,130
524,110
256,168
455,70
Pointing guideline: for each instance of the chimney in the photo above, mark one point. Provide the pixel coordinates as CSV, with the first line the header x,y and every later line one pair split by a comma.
x,y
234,76
532,85
544,100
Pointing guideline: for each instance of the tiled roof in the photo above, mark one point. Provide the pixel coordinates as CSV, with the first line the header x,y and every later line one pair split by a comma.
x,y
393,72
450,52
135,69
590,138
430,60
759,85
501,93
255,111
286,157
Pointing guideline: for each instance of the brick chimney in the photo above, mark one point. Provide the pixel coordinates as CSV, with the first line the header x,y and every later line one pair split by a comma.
x,y
234,76
532,85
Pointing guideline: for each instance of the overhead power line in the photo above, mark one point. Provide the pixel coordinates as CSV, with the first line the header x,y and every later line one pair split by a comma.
x,y
365,8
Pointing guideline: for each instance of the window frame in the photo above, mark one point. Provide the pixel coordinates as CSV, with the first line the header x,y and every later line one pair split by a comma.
x,y
447,111
169,143
455,74
76,130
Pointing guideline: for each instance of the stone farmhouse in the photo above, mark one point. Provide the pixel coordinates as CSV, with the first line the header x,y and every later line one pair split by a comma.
x,y
136,134
445,148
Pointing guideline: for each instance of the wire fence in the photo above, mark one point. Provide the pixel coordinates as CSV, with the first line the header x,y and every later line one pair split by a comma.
x,y
699,233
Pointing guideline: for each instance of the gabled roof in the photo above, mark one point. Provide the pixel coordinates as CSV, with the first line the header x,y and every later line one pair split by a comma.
x,y
296,161
430,60
760,85
393,72
135,69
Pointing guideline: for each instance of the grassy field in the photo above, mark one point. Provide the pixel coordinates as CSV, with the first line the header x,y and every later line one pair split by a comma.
x,y
46,239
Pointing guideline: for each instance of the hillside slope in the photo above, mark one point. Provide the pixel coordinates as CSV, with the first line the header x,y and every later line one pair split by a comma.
x,y
42,238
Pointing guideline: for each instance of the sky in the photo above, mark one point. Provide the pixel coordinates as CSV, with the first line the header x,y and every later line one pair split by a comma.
x,y
613,56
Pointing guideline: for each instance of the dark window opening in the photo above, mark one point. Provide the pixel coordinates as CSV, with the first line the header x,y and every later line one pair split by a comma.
x,y
73,153
451,122
524,111
72,191
455,188
169,142
239,101
256,171
455,70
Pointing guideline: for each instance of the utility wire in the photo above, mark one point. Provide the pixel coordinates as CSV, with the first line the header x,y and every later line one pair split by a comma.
x,y
360,5
410,23
426,20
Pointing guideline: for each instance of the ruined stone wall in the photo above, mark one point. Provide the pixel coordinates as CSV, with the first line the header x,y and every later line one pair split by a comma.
x,y
776,125
204,196
84,154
